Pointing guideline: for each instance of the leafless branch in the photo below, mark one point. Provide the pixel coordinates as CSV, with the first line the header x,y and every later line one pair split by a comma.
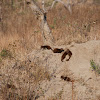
x,y
67,6
34,6
41,15
43,7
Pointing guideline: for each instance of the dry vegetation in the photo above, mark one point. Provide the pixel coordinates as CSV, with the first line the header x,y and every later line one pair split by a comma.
x,y
20,34
22,82
18,23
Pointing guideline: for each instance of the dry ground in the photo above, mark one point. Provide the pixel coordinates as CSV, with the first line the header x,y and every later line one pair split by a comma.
x,y
38,76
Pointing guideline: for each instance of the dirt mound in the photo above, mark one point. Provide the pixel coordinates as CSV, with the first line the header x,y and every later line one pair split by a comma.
x,y
78,68
43,76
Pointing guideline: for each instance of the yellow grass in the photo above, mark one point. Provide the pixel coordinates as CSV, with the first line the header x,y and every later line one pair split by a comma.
x,y
20,24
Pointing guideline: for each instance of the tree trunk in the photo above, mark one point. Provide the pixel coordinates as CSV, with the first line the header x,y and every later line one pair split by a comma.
x,y
41,16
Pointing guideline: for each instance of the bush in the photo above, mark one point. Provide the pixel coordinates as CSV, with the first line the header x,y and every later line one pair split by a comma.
x,y
5,53
95,66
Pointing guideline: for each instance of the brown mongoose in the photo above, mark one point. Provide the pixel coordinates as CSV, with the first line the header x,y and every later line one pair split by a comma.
x,y
65,78
56,50
46,47
67,52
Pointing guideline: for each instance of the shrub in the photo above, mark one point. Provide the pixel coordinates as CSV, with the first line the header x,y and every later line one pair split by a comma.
x,y
95,67
5,53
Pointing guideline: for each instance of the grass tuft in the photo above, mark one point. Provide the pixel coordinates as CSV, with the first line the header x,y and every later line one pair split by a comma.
x,y
5,53
95,67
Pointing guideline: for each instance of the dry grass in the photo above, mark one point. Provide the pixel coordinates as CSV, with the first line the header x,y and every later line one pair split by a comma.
x,y
22,81
18,23
80,26
5,40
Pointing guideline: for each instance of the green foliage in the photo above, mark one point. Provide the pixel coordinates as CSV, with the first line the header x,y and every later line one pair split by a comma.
x,y
0,59
95,66
54,21
97,1
63,18
5,53
48,3
35,0
52,26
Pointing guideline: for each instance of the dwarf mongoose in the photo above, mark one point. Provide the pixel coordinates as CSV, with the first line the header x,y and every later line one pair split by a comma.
x,y
56,50
46,47
67,52
65,78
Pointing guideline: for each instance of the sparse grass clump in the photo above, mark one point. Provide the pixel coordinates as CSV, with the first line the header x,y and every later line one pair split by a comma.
x,y
5,53
95,67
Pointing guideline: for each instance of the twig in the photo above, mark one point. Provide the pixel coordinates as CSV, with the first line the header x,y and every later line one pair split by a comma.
x,y
72,90
67,6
